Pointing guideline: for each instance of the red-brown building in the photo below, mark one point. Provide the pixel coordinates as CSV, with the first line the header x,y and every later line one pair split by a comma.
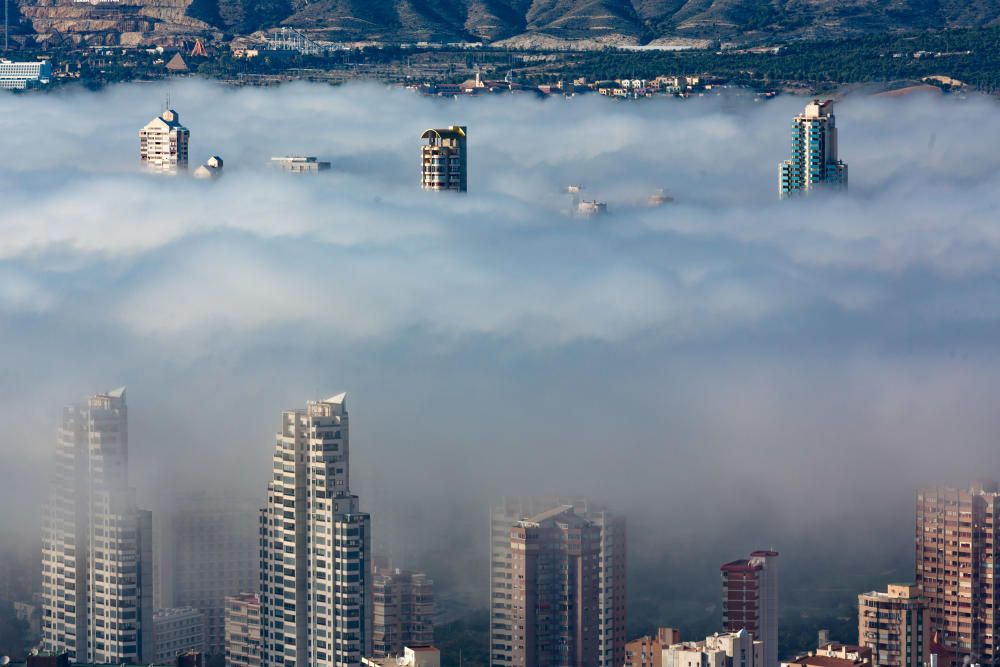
x,y
750,600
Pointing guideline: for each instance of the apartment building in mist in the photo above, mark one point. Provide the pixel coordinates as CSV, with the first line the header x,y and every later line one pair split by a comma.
x,y
315,545
243,640
207,548
97,584
730,649
957,535
893,624
177,631
814,162
444,159
163,143
535,545
403,611
750,600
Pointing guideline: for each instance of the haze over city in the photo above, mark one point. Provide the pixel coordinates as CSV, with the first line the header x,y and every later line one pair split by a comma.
x,y
730,371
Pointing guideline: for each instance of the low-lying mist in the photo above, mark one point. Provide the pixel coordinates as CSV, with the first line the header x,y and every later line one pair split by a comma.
x,y
731,371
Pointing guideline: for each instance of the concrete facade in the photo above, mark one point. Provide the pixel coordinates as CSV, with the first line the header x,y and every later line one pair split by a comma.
x,y
316,569
97,582
750,600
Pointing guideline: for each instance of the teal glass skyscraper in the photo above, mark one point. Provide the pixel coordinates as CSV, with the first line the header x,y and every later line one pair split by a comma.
x,y
814,161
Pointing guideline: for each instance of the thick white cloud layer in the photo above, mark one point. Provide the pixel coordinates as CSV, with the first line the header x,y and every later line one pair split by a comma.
x,y
723,347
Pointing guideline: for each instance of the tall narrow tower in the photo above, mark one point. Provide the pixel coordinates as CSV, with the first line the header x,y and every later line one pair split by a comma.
x,y
750,600
444,159
97,579
315,577
814,160
957,536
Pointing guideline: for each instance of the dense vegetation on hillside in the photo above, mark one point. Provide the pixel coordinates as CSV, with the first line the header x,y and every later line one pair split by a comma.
x,y
972,56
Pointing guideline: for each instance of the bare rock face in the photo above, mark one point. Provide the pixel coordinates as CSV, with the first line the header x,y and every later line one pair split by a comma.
x,y
599,22
109,22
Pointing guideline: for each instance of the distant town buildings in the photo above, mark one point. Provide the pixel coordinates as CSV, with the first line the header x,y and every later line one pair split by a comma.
x,y
893,626
957,531
444,159
814,162
97,583
557,582
163,143
315,545
300,164
731,649
403,611
243,631
22,75
750,600
176,631
647,651
211,170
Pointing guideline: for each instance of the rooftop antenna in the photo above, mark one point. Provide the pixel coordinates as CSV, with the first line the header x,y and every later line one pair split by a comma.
x,y
166,100
5,25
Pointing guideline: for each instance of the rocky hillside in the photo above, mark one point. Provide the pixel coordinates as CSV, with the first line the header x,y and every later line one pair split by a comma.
x,y
602,21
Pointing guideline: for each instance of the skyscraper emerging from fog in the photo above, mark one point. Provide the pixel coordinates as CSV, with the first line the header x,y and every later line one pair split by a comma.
x,y
957,537
163,143
97,581
445,160
750,600
578,539
315,545
814,160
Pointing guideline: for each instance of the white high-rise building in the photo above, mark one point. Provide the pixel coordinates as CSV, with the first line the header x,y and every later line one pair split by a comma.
x,y
97,581
163,143
316,581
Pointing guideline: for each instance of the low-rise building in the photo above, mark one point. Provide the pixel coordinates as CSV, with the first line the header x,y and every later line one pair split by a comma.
x,y
300,164
176,631
22,75
647,651
730,649
415,656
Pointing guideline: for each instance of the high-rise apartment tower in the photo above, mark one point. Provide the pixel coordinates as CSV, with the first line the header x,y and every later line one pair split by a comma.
x,y
893,625
957,536
163,143
814,160
403,611
511,578
97,578
750,600
444,159
315,578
